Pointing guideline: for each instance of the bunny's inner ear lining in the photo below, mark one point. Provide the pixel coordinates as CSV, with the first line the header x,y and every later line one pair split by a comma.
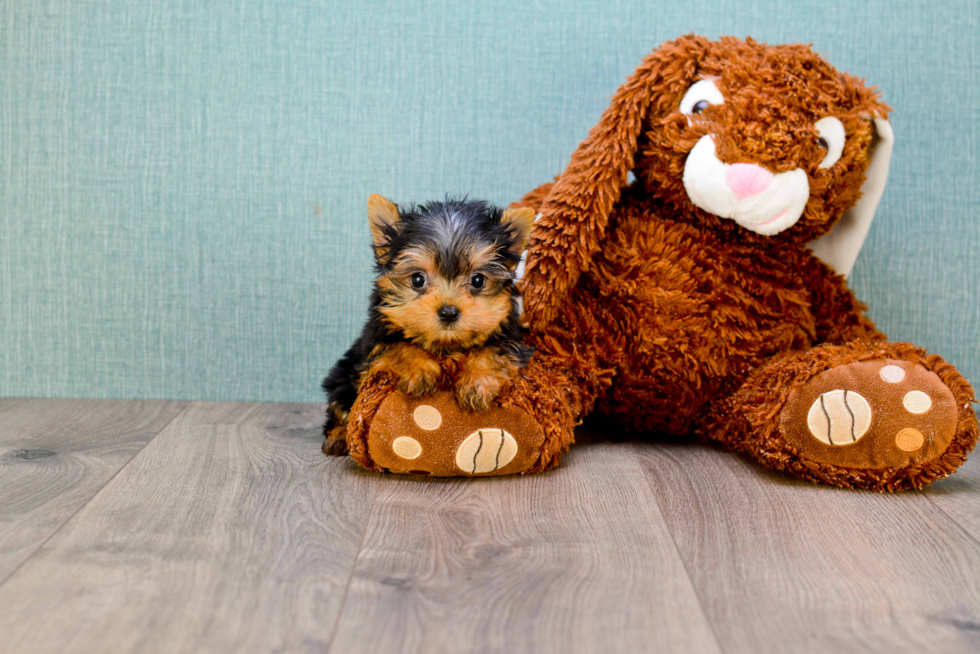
x,y
839,249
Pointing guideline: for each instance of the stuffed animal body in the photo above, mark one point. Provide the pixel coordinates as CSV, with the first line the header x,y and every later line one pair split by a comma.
x,y
692,301
684,316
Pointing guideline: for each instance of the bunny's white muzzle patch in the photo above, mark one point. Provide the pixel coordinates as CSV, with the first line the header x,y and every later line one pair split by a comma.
x,y
758,200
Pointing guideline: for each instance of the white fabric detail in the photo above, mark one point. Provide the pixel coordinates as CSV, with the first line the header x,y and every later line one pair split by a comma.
x,y
839,417
427,417
406,447
702,90
917,402
519,272
892,374
832,131
776,208
486,450
521,265
839,249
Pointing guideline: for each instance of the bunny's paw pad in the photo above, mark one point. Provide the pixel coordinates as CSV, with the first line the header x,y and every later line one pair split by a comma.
x,y
871,414
434,436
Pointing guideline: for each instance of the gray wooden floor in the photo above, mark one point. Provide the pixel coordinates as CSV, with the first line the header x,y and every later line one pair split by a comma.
x,y
132,526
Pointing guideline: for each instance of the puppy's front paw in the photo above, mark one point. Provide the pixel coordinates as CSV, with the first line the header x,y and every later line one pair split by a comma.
x,y
419,383
335,447
478,393
336,430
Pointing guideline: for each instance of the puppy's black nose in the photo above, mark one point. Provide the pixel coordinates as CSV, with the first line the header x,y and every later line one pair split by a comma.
x,y
448,313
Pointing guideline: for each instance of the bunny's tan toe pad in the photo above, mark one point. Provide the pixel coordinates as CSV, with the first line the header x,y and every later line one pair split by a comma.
x,y
433,436
871,414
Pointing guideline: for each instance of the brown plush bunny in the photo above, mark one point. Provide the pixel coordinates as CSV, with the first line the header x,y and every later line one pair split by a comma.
x,y
691,302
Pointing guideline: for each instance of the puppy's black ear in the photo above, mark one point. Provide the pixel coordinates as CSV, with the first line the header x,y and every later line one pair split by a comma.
x,y
383,216
520,222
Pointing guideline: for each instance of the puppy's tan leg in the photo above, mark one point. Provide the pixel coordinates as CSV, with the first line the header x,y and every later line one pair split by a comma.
x,y
416,372
484,372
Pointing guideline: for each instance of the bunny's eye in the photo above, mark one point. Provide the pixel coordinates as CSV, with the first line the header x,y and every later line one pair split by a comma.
x,y
700,96
831,138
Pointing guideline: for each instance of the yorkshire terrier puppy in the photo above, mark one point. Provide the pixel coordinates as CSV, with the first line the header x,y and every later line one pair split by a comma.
x,y
444,291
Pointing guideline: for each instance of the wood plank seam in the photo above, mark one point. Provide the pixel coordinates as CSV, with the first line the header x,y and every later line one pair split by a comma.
x,y
350,577
94,495
235,537
953,519
552,562
707,617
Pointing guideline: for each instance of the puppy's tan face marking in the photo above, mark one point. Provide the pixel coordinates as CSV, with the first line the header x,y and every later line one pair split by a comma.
x,y
418,287
753,137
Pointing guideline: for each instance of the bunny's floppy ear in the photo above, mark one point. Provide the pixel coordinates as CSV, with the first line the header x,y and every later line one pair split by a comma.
x,y
840,247
573,218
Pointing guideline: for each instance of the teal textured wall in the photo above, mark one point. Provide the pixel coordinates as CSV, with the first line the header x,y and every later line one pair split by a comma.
x,y
182,184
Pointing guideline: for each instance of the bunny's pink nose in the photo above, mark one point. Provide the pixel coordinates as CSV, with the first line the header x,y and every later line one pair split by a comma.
x,y
747,180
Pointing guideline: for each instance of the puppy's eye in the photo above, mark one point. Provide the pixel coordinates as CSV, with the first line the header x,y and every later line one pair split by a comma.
x,y
831,137
477,281
418,280
700,96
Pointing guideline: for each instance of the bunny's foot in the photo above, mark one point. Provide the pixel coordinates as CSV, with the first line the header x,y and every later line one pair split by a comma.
x,y
883,416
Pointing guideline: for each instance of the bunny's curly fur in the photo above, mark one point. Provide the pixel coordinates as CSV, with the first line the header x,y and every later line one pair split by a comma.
x,y
661,316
